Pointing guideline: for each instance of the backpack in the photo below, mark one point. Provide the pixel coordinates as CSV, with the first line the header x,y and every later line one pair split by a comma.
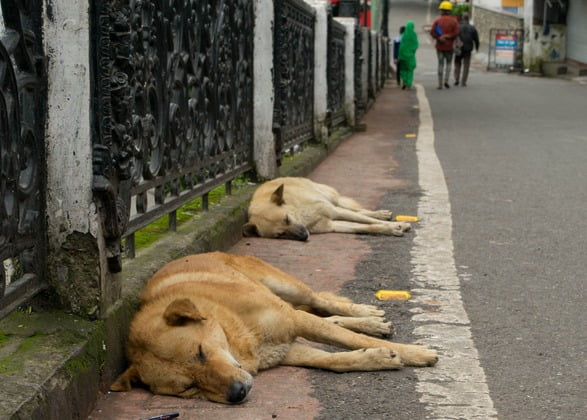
x,y
457,46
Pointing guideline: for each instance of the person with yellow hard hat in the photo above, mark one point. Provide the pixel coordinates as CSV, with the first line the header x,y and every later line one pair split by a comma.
x,y
444,30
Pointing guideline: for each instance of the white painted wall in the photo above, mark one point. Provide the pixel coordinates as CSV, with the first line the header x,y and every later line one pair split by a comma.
x,y
577,31
490,4
349,68
264,96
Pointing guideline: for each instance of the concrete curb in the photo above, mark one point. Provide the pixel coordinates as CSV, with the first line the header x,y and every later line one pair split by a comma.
x,y
53,365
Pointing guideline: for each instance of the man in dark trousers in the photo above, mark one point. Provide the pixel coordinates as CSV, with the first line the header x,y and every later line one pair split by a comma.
x,y
444,30
396,42
469,40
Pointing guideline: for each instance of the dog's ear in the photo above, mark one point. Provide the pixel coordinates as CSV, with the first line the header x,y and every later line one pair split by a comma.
x,y
277,196
124,382
180,312
250,229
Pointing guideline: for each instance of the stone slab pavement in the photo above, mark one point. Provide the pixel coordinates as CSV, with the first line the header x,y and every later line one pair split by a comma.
x,y
363,167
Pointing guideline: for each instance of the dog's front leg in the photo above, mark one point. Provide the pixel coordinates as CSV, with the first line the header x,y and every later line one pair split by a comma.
x,y
340,213
371,325
379,228
346,361
317,329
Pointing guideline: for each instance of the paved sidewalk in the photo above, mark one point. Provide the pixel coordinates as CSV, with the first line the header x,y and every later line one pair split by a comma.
x,y
364,167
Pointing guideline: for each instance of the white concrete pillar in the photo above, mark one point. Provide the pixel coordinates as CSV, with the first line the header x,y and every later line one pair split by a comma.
x,y
529,43
78,268
349,68
69,145
320,68
264,95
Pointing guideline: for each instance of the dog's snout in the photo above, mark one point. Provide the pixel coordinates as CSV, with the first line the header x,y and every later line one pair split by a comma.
x,y
298,233
237,392
304,235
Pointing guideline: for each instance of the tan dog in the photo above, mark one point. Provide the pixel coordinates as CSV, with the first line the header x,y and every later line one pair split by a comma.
x,y
292,208
208,322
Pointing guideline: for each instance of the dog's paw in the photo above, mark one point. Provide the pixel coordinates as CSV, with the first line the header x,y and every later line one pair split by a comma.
x,y
413,355
358,309
380,359
376,326
382,214
398,228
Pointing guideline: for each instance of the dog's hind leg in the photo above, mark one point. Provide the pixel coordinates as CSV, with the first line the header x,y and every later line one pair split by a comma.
x,y
317,329
346,361
296,292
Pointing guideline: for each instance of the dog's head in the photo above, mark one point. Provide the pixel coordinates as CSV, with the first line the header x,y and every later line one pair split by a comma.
x,y
275,219
180,352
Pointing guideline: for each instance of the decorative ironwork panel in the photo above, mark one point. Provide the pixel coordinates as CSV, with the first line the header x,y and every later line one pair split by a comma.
x,y
174,106
360,100
385,61
293,115
336,72
377,63
370,81
22,157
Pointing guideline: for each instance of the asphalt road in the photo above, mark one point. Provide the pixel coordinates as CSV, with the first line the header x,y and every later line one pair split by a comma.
x,y
512,150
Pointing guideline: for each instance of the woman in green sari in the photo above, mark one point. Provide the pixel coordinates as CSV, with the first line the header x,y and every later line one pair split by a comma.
x,y
407,55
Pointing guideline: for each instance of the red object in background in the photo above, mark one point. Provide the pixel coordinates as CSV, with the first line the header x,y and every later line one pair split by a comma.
x,y
365,17
364,11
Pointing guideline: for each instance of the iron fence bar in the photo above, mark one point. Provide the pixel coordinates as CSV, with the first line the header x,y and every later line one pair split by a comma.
x,y
159,210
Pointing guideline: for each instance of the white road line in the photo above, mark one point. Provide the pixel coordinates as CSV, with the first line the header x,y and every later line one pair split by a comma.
x,y
456,388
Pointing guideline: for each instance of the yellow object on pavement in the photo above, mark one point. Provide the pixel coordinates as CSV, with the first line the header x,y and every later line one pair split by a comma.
x,y
393,295
404,218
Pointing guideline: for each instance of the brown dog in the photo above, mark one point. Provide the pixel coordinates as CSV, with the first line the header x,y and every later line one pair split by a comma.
x,y
208,322
292,208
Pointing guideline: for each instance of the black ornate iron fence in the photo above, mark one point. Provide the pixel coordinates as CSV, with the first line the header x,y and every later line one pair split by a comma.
x,y
22,158
360,99
173,100
293,72
384,63
371,92
335,73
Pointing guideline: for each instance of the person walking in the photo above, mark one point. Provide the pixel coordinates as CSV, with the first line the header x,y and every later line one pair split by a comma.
x,y
407,55
444,30
469,40
396,43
